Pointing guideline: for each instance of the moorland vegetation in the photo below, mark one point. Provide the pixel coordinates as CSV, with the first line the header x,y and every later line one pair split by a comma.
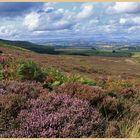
x,y
42,101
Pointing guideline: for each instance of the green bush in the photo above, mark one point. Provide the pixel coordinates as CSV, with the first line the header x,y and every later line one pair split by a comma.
x,y
29,70
56,75
74,78
80,79
87,81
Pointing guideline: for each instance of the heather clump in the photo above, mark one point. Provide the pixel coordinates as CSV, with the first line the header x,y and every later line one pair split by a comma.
x,y
10,106
111,106
58,116
93,94
14,96
28,89
129,93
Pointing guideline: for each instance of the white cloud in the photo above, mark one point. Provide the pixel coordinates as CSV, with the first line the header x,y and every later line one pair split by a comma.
x,y
134,29
50,20
32,20
124,7
56,20
93,21
109,28
7,31
86,12
48,9
61,10
130,21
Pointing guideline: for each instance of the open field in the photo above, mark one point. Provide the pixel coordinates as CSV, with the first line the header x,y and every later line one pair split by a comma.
x,y
93,52
86,65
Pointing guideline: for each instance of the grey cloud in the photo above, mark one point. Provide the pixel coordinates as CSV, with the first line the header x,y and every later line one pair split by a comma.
x,y
17,8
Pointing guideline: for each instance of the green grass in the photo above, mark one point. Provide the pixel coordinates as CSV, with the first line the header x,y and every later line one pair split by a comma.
x,y
92,52
136,54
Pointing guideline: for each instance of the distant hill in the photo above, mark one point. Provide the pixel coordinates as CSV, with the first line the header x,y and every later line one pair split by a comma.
x,y
134,48
30,46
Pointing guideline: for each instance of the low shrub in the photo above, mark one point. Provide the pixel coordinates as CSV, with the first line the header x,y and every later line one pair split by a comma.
x,y
88,82
27,88
54,79
93,94
111,106
56,75
4,60
58,116
29,70
112,130
117,85
128,93
14,96
10,106
9,69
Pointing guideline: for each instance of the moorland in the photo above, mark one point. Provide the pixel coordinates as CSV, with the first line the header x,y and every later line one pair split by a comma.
x,y
73,92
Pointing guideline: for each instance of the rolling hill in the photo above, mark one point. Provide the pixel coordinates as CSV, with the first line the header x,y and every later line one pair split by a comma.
x,y
29,46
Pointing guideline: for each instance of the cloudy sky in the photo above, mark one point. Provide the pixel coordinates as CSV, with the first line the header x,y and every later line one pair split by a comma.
x,y
27,21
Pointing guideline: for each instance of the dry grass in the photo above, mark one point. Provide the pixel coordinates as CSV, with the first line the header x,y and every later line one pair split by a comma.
x,y
130,129
91,66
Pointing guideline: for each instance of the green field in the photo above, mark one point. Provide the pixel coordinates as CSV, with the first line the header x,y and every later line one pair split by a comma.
x,y
136,54
93,52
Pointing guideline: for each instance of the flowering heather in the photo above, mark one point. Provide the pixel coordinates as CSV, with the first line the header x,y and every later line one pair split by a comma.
x,y
93,94
29,89
10,106
129,92
58,116
14,96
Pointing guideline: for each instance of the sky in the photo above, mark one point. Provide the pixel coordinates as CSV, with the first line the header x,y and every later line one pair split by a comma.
x,y
104,20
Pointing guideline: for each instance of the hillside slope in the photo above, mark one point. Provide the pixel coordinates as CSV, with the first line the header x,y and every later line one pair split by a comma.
x,y
29,46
